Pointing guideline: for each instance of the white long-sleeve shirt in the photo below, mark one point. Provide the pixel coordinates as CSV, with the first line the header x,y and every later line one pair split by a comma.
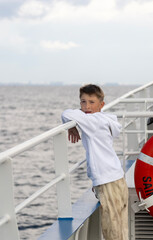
x,y
98,130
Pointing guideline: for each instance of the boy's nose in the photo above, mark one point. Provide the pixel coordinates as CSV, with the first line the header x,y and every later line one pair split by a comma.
x,y
87,105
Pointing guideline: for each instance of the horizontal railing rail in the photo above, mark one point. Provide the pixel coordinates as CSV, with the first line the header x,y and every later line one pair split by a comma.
x,y
46,187
133,114
126,132
128,95
136,100
34,141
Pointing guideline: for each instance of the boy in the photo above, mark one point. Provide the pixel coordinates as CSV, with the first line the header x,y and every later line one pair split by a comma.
x,y
103,166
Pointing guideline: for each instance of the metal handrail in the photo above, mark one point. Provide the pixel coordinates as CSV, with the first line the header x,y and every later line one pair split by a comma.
x,y
12,152
133,114
38,193
127,95
46,187
136,100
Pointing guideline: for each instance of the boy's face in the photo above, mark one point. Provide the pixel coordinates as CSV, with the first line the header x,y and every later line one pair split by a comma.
x,y
90,103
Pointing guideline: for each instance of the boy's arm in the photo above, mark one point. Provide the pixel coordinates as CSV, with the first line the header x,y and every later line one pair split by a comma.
x,y
114,125
86,122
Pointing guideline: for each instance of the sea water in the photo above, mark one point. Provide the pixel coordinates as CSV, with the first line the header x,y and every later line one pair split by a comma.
x,y
25,112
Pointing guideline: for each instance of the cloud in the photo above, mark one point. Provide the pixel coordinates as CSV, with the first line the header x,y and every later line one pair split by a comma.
x,y
93,11
140,12
32,9
68,10
54,18
57,45
100,11
11,39
77,11
27,8
9,8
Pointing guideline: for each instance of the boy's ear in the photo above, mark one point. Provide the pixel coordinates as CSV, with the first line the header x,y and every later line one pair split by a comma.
x,y
102,104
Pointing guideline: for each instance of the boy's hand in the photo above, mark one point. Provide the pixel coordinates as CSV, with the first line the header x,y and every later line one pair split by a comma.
x,y
73,135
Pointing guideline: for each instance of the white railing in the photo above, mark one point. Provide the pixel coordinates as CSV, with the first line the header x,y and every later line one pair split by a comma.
x,y
141,91
134,124
7,211
136,106
132,136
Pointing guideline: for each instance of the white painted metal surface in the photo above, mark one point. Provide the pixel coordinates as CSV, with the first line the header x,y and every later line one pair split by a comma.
x,y
90,230
8,224
61,166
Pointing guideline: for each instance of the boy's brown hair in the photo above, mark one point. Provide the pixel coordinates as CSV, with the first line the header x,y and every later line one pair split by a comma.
x,y
92,89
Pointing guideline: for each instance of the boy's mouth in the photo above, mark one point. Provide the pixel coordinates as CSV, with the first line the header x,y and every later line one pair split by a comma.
x,y
87,112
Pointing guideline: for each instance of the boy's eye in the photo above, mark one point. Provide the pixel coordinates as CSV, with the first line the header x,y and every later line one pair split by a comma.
x,y
82,101
91,101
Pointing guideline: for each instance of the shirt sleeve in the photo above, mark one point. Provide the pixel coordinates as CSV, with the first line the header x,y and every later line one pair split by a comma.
x,y
86,122
115,126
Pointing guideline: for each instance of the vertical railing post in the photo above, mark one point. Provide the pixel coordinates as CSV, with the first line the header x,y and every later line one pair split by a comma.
x,y
142,94
61,167
132,138
151,91
124,144
151,95
8,224
145,122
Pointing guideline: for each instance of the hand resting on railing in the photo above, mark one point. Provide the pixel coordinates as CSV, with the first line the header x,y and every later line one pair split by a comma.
x,y
73,135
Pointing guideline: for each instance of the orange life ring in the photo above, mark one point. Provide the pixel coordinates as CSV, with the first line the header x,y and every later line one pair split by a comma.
x,y
143,175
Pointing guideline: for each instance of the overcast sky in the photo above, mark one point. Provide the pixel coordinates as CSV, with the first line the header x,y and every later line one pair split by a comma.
x,y
76,41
